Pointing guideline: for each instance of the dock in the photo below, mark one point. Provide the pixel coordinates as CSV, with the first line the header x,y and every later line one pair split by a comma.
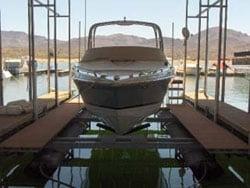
x,y
38,72
12,123
210,135
36,135
235,119
45,71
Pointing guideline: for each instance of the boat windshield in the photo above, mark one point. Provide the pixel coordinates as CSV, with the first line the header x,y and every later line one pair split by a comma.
x,y
155,27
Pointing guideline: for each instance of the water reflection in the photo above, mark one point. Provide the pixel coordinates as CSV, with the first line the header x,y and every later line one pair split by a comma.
x,y
123,168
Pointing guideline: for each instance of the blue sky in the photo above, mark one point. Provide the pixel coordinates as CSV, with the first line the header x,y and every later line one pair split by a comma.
x,y
162,12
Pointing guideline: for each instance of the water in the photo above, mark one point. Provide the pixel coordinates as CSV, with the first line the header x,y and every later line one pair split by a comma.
x,y
122,168
236,87
237,90
128,167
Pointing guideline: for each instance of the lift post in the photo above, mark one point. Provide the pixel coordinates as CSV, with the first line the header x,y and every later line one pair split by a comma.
x,y
204,8
1,64
32,67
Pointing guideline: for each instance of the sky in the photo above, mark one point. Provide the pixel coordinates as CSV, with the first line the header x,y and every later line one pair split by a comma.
x,y
161,12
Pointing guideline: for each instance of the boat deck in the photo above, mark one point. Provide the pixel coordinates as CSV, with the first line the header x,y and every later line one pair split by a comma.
x,y
35,136
210,135
9,124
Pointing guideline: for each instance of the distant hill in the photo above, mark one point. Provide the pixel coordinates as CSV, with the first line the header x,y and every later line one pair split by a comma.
x,y
15,44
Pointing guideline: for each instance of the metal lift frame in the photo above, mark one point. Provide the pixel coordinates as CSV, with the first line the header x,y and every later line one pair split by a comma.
x,y
1,64
32,69
222,5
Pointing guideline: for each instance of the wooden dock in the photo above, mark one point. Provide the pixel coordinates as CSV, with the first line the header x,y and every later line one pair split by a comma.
x,y
210,135
237,119
38,72
9,124
45,71
35,136
190,96
229,115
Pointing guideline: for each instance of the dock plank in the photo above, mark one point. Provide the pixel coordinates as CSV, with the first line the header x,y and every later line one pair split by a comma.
x,y
11,123
207,133
39,133
236,118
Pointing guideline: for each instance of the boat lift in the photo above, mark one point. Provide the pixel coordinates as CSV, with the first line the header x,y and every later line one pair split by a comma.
x,y
51,8
204,8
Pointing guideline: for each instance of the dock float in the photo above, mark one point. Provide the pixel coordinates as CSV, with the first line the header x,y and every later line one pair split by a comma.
x,y
210,135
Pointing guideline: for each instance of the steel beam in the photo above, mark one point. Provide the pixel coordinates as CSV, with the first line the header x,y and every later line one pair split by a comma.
x,y
48,48
198,61
79,43
29,63
1,64
33,62
217,85
85,25
206,52
41,4
172,44
213,5
123,142
223,84
55,56
69,46
185,54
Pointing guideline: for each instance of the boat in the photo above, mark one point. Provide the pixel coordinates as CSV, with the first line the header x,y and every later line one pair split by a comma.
x,y
6,74
191,69
14,66
122,85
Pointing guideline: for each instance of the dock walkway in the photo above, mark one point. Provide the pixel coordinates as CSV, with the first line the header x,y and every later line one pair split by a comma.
x,y
9,124
232,116
35,136
212,136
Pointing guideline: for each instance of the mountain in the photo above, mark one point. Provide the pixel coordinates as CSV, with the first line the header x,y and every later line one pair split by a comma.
x,y
15,44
